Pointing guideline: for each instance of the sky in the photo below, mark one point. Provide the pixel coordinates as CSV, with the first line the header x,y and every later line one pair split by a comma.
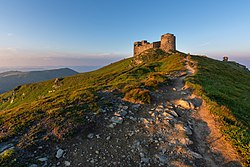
x,y
97,32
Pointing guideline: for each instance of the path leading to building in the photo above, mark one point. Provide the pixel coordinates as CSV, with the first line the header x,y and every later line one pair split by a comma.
x,y
216,150
176,130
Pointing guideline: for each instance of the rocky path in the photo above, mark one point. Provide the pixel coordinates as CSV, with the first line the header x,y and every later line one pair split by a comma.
x,y
176,130
209,141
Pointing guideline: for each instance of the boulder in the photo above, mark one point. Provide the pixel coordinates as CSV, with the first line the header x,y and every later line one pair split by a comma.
x,y
185,104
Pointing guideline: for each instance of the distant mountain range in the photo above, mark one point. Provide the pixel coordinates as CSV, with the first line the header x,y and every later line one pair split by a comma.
x,y
11,79
79,69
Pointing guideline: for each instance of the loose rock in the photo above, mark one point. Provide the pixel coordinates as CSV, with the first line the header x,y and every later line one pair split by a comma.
x,y
188,131
90,136
183,103
117,120
196,155
43,159
59,153
5,147
145,160
162,158
33,165
66,163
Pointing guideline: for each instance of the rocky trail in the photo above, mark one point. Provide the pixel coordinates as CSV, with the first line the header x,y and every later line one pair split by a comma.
x,y
176,130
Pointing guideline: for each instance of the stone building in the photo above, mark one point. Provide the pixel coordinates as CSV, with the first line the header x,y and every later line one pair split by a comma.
x,y
225,58
167,44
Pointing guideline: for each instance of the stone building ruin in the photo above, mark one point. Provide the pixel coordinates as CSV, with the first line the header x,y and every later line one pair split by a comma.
x,y
225,58
167,44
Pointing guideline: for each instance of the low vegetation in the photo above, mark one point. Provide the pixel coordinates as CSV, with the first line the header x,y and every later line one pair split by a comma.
x,y
51,111
7,158
54,110
225,88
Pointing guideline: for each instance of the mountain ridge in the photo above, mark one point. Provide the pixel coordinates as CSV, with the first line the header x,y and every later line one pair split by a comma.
x,y
11,79
138,104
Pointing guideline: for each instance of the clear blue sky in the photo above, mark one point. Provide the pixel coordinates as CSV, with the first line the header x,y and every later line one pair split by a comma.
x,y
39,31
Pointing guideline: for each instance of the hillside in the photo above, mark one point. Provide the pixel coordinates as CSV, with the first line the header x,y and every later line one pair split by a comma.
x,y
9,80
225,88
129,113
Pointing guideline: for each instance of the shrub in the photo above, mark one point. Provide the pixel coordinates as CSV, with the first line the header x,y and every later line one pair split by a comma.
x,y
138,95
155,79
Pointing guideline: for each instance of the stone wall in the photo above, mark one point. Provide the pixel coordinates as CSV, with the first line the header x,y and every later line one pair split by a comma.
x,y
167,44
157,44
142,46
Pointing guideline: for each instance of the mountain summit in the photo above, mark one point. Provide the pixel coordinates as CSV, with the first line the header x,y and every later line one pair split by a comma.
x,y
156,109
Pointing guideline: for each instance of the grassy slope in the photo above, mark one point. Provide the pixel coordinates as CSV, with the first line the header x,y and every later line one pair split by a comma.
x,y
226,88
36,113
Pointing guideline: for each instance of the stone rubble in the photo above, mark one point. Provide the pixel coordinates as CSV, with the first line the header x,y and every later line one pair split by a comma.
x,y
165,138
117,120
126,134
90,136
59,153
130,134
66,163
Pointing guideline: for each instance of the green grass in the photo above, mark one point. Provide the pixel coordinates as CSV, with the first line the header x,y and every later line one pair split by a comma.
x,y
7,158
226,88
41,111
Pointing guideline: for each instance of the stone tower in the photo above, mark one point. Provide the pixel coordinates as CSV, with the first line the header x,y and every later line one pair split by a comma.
x,y
168,42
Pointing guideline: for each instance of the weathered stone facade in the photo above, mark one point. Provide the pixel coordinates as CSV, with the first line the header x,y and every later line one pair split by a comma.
x,y
167,44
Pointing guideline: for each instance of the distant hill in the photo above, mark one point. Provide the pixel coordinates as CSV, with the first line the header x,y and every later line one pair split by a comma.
x,y
11,79
80,69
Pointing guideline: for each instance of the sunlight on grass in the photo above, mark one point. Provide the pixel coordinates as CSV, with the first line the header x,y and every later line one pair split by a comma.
x,y
225,88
